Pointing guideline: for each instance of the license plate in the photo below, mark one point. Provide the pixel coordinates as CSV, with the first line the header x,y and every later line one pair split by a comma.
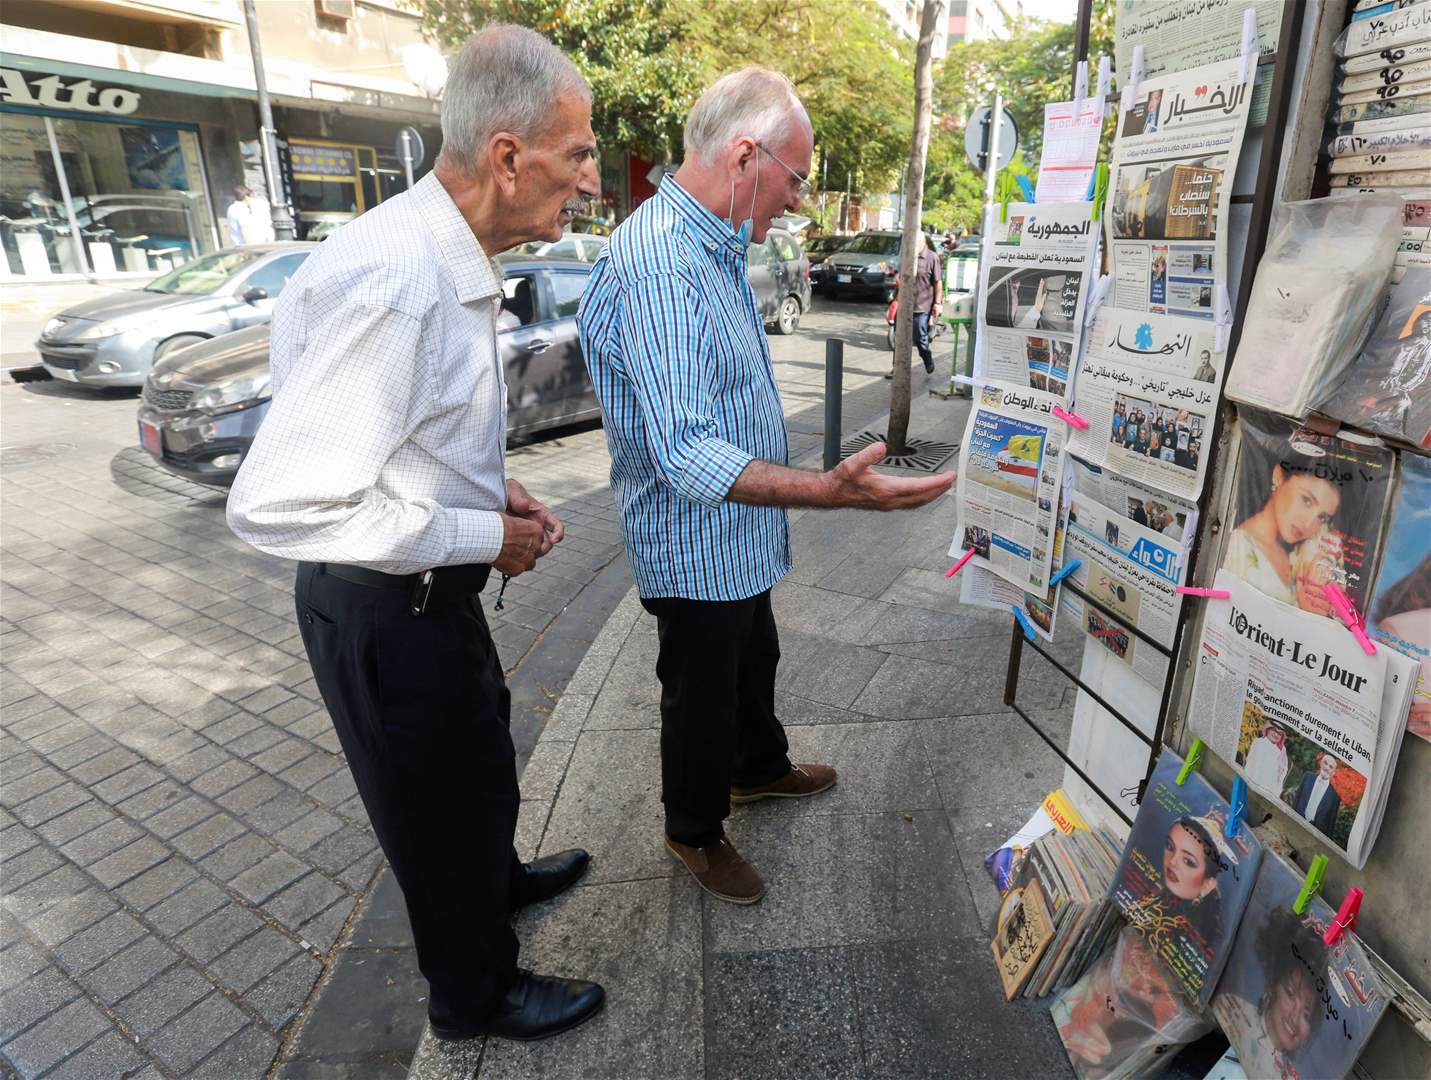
x,y
843,279
64,373
150,439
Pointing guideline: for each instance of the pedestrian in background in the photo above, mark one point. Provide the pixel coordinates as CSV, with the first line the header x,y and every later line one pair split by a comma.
x,y
249,218
678,355
380,469
928,297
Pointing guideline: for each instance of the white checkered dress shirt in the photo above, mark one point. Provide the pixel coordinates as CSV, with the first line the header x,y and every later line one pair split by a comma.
x,y
384,445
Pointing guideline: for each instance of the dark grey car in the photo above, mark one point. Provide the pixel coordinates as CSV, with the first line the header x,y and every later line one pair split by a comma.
x,y
203,405
113,340
868,264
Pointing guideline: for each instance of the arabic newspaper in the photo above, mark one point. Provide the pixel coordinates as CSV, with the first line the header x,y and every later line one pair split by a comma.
x,y
1177,34
1010,476
1399,615
1149,423
1174,158
1291,1005
1034,283
1310,509
983,588
1305,715
1070,150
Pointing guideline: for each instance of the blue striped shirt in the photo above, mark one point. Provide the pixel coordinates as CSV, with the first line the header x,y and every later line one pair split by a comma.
x,y
677,353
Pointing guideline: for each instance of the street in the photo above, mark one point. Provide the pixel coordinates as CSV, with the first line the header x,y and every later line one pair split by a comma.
x,y
183,844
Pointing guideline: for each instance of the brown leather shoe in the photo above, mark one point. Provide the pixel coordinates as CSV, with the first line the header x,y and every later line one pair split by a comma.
x,y
801,780
720,870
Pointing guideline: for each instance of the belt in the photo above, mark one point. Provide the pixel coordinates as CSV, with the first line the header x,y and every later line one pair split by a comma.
x,y
427,589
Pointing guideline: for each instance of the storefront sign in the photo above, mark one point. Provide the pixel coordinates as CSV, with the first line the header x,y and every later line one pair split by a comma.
x,y
53,93
318,159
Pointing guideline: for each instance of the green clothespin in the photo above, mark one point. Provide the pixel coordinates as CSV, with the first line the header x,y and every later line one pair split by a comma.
x,y
1194,759
1006,188
1100,190
1312,884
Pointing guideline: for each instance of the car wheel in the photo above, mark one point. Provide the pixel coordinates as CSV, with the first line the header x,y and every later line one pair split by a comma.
x,y
788,317
179,341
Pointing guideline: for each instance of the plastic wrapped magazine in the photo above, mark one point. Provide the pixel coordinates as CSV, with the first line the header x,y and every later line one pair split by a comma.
x,y
1399,616
1125,1018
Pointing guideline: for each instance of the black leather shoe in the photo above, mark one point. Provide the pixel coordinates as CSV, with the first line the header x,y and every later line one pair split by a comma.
x,y
543,878
535,1007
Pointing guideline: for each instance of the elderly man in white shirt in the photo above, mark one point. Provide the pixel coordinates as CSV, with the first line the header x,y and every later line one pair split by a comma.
x,y
380,469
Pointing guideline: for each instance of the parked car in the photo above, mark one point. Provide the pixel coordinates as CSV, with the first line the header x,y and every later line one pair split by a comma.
x,y
113,340
582,246
868,264
203,405
817,250
779,275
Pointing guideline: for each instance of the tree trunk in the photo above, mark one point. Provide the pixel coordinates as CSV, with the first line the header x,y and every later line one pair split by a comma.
x,y
913,212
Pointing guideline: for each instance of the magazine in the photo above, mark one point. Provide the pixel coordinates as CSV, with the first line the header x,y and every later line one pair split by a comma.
x,y
1399,615
1056,812
1302,712
1022,931
1394,30
1033,286
1125,1018
1182,883
1010,477
1291,1005
1174,157
1309,510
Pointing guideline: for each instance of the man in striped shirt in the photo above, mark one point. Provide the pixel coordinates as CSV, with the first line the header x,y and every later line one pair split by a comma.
x,y
677,352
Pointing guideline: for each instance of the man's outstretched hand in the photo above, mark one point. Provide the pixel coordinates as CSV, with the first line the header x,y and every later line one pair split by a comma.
x,y
853,482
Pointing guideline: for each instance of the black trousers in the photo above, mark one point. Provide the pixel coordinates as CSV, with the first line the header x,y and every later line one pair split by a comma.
x,y
421,709
716,664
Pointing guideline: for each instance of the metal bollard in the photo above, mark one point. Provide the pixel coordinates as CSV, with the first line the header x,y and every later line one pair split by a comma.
x,y
834,379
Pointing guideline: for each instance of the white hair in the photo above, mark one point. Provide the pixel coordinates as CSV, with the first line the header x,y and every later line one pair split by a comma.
x,y
754,102
506,78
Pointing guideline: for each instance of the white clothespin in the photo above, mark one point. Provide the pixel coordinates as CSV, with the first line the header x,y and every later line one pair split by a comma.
x,y
1096,298
1135,78
1105,76
1222,320
967,380
1251,48
1080,89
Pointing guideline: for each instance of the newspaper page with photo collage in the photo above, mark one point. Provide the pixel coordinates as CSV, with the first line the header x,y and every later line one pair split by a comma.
x,y
1034,281
1174,156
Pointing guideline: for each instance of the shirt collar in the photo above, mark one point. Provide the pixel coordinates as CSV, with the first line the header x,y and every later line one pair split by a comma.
x,y
476,276
714,233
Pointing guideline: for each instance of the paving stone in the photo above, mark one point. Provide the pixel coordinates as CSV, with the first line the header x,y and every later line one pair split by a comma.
x,y
148,803
303,899
323,929
306,831
153,1005
253,959
131,781
208,836
189,1038
231,860
70,916
32,1000
18,961
74,823
55,1038
126,971
157,883
184,814
187,906
334,853
20,788
32,864
94,845
218,932
249,1053
224,777
281,994
29,901
51,804
111,1055
128,862
1011,759
284,808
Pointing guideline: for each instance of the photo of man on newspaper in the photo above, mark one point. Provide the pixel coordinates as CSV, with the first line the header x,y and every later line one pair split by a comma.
x,y
1027,298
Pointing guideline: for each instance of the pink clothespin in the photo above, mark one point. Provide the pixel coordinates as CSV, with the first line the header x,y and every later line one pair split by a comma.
x,y
1346,916
1349,615
1211,594
960,564
1072,419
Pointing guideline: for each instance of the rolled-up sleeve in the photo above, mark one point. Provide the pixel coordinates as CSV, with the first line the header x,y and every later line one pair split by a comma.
x,y
662,344
309,486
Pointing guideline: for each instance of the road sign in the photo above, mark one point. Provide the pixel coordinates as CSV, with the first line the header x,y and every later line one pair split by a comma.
x,y
976,137
415,149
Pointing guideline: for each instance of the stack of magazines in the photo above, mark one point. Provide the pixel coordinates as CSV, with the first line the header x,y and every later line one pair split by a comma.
x,y
1073,872
1380,121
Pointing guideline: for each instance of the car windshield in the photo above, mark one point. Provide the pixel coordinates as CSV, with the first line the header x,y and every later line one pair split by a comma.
x,y
203,276
875,244
821,245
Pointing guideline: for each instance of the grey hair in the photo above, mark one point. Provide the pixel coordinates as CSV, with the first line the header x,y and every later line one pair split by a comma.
x,y
506,78
753,101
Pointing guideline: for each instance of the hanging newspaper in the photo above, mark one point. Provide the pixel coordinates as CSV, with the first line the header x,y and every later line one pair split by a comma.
x,y
1131,566
983,588
1148,388
1306,716
1033,287
1010,472
1178,34
1071,133
1174,158
1292,1005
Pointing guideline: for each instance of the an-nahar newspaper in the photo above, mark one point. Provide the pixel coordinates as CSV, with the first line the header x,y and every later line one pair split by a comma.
x,y
1010,473
1037,267
1304,714
1174,157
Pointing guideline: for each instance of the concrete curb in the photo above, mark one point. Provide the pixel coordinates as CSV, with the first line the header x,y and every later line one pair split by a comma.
x,y
436,1059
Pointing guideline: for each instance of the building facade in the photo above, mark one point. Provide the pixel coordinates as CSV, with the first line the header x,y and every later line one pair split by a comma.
x,y
126,124
980,20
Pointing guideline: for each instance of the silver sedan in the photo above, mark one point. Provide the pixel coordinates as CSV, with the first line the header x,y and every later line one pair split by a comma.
x,y
115,339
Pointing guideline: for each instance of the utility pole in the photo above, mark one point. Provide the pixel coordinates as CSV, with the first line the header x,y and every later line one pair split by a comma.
x,y
267,136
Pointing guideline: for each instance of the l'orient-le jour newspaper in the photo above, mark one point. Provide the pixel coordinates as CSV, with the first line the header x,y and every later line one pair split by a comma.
x,y
1308,719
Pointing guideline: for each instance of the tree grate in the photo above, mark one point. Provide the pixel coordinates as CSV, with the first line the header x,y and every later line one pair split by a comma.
x,y
924,455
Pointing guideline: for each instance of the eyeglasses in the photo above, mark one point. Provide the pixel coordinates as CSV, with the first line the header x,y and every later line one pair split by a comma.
x,y
804,184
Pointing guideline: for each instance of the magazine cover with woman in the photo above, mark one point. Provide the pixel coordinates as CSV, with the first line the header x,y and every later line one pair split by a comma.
x,y
1293,1006
1310,510
1182,883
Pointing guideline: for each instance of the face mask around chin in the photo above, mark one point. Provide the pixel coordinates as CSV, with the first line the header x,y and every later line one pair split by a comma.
x,y
745,228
